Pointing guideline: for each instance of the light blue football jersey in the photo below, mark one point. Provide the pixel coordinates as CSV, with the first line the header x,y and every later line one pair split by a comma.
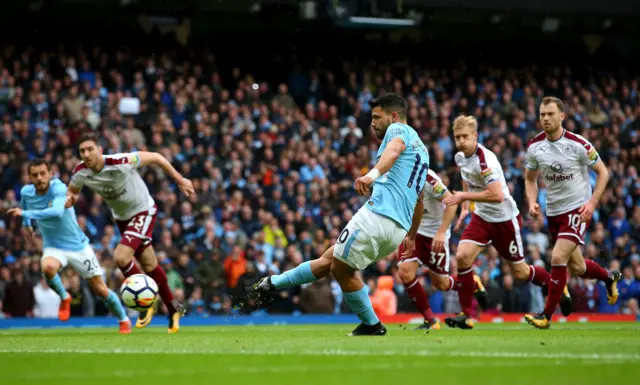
x,y
396,192
58,226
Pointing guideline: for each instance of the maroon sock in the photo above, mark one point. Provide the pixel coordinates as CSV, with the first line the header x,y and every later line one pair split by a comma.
x,y
538,276
465,290
160,277
130,269
557,282
595,271
416,293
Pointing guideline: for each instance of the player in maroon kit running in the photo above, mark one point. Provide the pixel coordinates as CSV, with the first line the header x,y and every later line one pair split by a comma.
x,y
564,158
432,251
495,221
116,179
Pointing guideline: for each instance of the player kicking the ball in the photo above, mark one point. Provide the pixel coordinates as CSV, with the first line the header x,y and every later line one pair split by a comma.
x,y
63,240
495,220
378,228
115,178
564,158
432,251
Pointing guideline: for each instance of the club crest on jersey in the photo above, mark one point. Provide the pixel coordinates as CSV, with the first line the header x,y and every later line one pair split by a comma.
x,y
485,172
556,167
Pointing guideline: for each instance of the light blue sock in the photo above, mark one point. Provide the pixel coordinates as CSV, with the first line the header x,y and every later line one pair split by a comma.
x,y
113,303
56,284
360,304
294,277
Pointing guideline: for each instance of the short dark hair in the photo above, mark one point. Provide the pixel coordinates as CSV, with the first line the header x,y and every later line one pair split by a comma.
x,y
88,137
391,102
38,162
552,99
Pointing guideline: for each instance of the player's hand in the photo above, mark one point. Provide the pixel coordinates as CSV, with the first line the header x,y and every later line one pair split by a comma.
x,y
454,199
16,211
586,211
437,245
409,247
363,185
186,187
70,201
534,210
461,218
29,233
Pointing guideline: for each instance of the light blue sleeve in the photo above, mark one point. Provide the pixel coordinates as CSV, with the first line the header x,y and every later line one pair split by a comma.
x,y
26,222
397,130
57,206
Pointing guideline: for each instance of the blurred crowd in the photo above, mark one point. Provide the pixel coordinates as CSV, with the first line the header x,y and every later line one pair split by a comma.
x,y
273,163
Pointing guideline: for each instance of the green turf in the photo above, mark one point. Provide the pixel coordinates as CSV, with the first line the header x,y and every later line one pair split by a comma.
x,y
511,354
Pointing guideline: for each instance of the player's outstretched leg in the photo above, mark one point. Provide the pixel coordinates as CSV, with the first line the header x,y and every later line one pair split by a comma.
x,y
50,267
407,273
539,277
591,270
123,256
356,295
112,302
150,265
306,272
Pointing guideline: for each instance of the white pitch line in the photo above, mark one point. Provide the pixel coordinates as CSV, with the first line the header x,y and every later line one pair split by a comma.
x,y
338,352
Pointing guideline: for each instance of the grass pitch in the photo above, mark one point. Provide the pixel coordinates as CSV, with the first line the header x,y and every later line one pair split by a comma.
x,y
581,354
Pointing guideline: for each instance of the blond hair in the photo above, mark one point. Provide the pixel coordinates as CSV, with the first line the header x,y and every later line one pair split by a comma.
x,y
463,121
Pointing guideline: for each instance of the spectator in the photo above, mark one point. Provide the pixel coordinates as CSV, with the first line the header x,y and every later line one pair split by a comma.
x,y
18,298
46,300
235,265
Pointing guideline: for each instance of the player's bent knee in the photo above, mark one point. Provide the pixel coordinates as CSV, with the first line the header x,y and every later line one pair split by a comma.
x,y
520,271
49,267
577,268
123,255
98,287
322,267
441,283
406,273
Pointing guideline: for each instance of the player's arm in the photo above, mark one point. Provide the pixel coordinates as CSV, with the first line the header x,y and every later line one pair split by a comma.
x,y
591,158
449,213
73,193
531,191
388,158
409,242
55,211
465,207
531,185
390,155
602,180
586,211
147,158
26,222
531,173
492,194
417,217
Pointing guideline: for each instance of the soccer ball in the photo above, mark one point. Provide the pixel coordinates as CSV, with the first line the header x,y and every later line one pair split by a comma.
x,y
139,292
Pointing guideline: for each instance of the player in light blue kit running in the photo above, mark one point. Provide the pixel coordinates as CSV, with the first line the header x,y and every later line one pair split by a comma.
x,y
63,240
392,214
